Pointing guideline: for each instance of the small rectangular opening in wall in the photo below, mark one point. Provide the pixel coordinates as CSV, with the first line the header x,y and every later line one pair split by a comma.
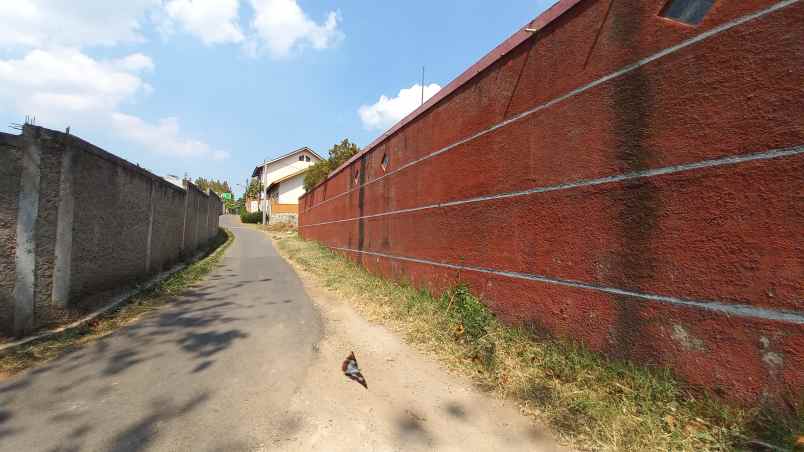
x,y
690,12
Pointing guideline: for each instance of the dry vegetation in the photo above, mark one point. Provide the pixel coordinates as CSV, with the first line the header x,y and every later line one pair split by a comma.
x,y
34,353
591,402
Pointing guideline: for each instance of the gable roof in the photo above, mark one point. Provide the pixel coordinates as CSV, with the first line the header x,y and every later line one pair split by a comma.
x,y
258,169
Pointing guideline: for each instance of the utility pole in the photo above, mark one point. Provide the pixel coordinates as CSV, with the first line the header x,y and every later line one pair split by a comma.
x,y
264,175
422,86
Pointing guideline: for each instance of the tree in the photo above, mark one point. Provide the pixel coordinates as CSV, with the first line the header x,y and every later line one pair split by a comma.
x,y
214,185
338,155
315,174
254,189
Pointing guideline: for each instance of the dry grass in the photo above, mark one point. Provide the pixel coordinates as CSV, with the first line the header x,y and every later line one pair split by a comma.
x,y
40,351
589,401
277,227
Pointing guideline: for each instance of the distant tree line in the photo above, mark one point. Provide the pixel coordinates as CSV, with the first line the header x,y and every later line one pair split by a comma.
x,y
218,187
338,155
212,184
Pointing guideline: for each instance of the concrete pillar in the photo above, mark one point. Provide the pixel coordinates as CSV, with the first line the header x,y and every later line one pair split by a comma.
x,y
209,221
60,294
184,223
25,259
151,203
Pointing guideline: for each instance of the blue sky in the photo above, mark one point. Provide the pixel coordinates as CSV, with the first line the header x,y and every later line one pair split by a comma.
x,y
212,87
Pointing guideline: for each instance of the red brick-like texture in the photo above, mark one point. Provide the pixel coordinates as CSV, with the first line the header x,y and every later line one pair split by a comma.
x,y
615,177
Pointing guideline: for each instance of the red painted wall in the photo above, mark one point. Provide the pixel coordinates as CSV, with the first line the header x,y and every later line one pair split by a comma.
x,y
615,177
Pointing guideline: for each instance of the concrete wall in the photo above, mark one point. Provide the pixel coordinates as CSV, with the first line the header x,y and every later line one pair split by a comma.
x,y
616,178
10,168
76,220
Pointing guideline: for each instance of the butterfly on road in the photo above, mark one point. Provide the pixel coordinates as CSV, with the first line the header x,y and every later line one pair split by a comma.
x,y
351,370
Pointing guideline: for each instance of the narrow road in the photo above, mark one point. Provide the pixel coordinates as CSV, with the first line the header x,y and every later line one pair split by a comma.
x,y
214,371
247,361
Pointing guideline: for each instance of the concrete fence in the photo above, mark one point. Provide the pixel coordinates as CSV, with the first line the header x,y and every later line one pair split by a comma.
x,y
613,177
76,220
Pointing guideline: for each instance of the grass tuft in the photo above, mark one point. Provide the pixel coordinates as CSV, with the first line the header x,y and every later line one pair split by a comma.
x,y
591,402
48,348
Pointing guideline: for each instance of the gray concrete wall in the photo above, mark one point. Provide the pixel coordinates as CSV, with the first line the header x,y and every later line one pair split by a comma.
x,y
51,152
110,223
168,221
95,222
10,166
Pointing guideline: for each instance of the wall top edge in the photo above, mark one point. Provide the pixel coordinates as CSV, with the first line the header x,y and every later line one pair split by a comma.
x,y
74,142
523,34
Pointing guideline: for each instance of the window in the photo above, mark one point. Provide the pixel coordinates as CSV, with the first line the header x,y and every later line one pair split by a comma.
x,y
301,158
690,12
306,158
384,162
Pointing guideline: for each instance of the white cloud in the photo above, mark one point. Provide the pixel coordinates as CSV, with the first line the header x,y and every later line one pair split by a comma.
x,y
213,21
163,137
55,79
136,62
62,23
68,81
388,111
67,87
282,26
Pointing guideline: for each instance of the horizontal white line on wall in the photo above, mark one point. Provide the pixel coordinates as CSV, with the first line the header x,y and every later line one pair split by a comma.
x,y
736,310
575,92
732,160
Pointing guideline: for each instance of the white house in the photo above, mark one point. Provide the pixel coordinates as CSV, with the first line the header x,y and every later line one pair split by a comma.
x,y
284,178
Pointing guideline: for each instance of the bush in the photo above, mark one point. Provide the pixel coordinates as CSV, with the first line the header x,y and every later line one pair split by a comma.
x,y
254,217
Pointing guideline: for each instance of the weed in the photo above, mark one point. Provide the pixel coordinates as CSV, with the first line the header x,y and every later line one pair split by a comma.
x,y
591,402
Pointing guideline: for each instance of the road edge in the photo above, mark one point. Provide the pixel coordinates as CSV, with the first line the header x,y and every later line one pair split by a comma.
x,y
125,297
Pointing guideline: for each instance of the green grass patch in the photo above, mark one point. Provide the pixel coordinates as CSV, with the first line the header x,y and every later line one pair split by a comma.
x,y
45,349
591,402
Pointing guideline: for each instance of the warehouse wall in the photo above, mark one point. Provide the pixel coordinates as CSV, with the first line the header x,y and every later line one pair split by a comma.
x,y
90,221
615,177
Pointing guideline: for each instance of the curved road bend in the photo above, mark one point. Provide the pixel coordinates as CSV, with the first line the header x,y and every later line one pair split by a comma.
x,y
213,371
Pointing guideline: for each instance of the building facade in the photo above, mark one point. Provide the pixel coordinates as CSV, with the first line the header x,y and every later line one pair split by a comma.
x,y
286,175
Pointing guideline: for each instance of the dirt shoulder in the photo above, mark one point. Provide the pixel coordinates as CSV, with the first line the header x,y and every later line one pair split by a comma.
x,y
412,403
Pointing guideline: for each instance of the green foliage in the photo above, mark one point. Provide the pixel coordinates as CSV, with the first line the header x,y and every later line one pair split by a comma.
x,y
254,189
467,311
231,205
212,184
315,174
341,152
219,187
338,155
254,217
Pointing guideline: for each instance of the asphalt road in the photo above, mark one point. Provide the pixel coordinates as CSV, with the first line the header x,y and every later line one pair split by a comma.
x,y
215,371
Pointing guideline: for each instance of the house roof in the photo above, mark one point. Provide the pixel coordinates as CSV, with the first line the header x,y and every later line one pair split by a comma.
x,y
288,177
258,169
527,31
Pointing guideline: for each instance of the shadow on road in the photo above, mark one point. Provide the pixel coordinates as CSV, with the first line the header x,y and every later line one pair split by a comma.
x,y
193,326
